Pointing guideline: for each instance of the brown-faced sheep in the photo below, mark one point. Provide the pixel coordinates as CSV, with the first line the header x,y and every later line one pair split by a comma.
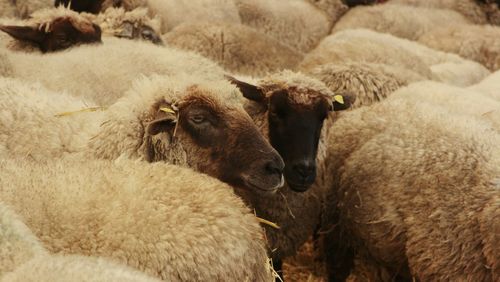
x,y
415,188
102,73
364,45
399,20
50,30
168,221
480,43
299,24
181,120
237,48
289,108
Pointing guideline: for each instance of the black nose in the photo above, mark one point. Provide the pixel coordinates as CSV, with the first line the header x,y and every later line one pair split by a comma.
x,y
275,166
304,169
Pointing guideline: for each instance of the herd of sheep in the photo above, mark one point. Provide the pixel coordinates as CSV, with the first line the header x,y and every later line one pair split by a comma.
x,y
211,140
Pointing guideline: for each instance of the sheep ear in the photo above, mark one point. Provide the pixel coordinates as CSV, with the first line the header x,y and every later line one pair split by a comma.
x,y
162,124
343,101
249,91
24,33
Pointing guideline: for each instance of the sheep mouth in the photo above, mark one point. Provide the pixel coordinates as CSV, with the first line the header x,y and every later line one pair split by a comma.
x,y
262,186
297,187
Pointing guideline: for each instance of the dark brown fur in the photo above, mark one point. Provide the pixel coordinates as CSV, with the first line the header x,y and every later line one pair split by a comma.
x,y
221,142
88,6
63,33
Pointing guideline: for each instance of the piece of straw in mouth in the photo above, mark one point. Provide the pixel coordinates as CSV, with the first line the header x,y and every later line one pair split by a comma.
x,y
272,224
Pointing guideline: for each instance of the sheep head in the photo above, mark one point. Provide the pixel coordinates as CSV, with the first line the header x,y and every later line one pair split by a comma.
x,y
291,114
189,121
59,34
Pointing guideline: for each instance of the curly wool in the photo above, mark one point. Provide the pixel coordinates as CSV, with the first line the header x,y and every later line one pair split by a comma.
x,y
238,48
399,20
369,82
489,86
136,213
403,172
480,43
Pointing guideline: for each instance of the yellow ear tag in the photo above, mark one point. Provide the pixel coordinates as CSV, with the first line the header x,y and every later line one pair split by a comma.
x,y
167,110
339,98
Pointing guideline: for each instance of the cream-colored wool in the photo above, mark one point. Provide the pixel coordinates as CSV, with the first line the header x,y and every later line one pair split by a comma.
x,y
23,8
57,268
474,11
368,82
416,184
29,126
455,99
17,243
480,43
489,86
176,12
364,45
167,221
23,258
237,48
297,23
111,20
399,20
102,73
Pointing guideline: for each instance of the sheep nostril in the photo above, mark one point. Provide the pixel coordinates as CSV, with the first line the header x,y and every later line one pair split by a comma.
x,y
304,170
274,167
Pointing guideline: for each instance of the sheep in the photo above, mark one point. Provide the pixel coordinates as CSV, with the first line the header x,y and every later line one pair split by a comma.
x,y
299,24
369,46
489,86
176,12
399,20
50,30
167,221
238,48
181,120
368,82
474,42
455,99
414,188
74,268
134,24
289,108
93,68
23,258
475,11
17,243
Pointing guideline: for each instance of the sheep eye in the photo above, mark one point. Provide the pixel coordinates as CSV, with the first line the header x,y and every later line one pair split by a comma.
x,y
198,119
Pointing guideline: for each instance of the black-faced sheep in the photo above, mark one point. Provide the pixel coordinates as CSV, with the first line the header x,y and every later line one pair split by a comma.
x,y
237,48
290,108
415,189
168,221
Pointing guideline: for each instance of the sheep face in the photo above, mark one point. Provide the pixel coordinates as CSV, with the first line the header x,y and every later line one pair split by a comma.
x,y
221,141
295,118
130,30
60,34
92,6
